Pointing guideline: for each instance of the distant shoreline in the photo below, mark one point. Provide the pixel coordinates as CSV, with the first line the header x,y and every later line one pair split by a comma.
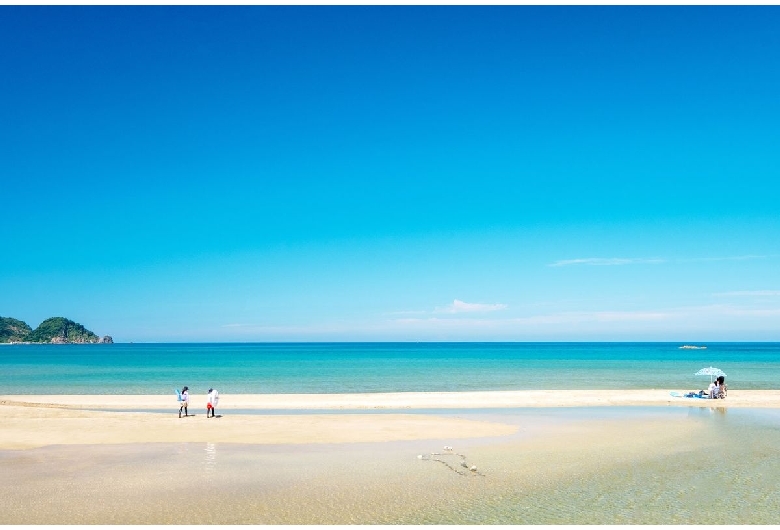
x,y
389,342
401,400
52,343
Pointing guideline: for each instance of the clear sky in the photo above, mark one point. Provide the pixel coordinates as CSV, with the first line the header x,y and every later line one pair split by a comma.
x,y
392,173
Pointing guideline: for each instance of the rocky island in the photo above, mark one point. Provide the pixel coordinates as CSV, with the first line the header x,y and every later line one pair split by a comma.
x,y
55,330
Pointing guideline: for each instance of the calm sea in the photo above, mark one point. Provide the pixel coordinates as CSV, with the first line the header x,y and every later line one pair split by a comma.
x,y
600,465
377,367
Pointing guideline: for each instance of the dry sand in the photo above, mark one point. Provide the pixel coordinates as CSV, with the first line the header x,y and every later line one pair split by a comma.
x,y
36,421
399,400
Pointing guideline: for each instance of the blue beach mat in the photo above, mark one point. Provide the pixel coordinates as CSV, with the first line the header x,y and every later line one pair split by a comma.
x,y
688,395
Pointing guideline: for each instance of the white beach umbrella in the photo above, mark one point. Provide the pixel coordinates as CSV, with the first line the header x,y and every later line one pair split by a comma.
x,y
712,372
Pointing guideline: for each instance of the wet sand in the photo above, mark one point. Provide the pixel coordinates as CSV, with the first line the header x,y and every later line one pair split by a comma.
x,y
554,466
597,457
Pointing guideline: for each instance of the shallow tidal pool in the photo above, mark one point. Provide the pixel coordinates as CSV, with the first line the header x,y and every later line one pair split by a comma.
x,y
610,465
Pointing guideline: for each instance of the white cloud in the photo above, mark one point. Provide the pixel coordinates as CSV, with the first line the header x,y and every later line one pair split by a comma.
x,y
594,316
402,313
604,261
710,322
748,311
749,293
633,261
450,323
459,306
724,258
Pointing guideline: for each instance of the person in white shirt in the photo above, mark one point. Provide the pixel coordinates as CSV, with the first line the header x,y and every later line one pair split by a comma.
x,y
712,390
212,404
185,401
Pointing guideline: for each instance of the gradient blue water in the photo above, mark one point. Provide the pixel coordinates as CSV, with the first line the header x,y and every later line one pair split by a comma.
x,y
377,367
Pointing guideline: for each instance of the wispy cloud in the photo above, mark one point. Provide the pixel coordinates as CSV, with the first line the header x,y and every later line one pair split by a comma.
x,y
647,323
748,293
605,261
449,323
537,323
459,306
723,258
738,311
402,313
595,316
634,261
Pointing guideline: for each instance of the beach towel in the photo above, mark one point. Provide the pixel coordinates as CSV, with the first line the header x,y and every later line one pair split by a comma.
x,y
688,395
178,394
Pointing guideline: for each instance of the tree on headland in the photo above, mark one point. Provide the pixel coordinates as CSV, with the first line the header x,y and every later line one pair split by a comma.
x,y
12,330
61,330
55,330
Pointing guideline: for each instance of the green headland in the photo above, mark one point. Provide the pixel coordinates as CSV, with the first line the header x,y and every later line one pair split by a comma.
x,y
55,330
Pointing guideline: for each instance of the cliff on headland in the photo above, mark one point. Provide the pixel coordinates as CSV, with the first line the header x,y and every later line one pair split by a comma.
x,y
55,330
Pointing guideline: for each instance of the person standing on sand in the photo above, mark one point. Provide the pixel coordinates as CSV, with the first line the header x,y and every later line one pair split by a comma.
x,y
185,401
212,404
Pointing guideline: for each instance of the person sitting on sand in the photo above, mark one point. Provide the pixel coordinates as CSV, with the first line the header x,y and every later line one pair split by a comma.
x,y
185,401
722,388
710,389
212,404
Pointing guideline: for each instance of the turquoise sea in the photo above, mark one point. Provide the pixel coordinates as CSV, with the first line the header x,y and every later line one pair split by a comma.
x,y
377,367
573,465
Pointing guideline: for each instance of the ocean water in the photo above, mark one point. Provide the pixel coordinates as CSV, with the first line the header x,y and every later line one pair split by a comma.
x,y
580,465
377,367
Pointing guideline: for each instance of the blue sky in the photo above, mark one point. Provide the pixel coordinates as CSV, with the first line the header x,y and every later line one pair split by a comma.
x,y
392,173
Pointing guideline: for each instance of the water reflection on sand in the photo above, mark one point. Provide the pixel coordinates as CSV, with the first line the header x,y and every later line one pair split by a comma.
x,y
607,465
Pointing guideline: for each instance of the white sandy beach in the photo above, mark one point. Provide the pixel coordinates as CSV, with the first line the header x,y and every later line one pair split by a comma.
x,y
400,400
306,459
36,421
